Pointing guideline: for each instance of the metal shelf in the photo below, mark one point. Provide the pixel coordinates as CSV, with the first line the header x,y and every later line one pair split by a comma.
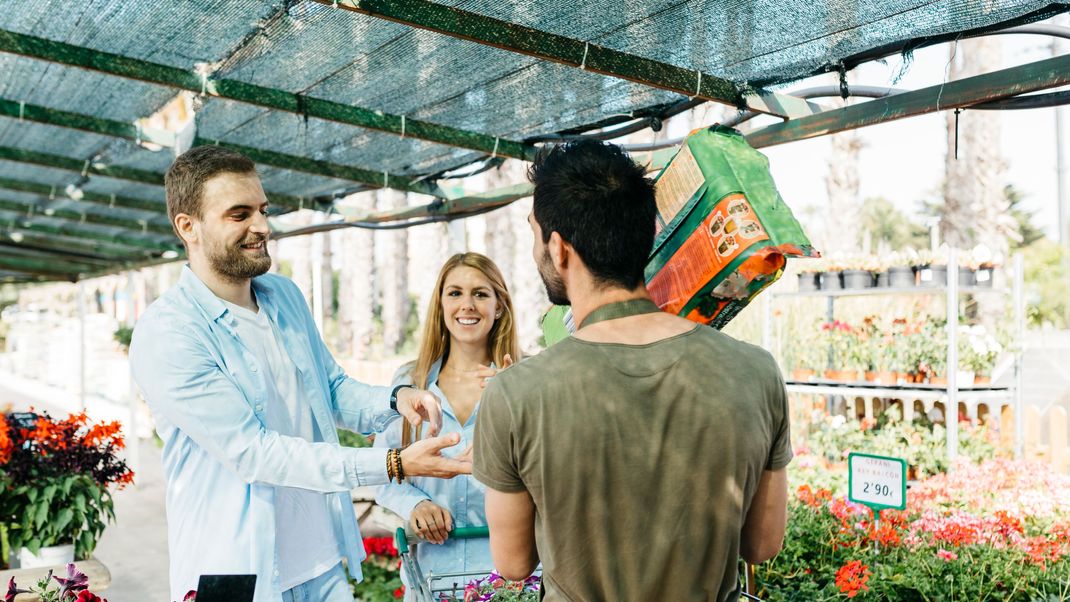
x,y
878,290
922,392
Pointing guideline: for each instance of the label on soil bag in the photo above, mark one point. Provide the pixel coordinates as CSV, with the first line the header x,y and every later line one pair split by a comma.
x,y
677,185
729,230
877,481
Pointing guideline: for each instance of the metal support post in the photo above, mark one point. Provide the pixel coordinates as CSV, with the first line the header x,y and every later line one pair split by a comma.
x,y
1019,352
81,344
951,403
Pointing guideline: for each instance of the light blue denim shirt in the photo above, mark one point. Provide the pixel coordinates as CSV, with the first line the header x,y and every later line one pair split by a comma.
x,y
462,495
207,395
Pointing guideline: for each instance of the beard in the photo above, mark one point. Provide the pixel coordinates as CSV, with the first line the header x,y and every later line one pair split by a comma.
x,y
555,287
235,264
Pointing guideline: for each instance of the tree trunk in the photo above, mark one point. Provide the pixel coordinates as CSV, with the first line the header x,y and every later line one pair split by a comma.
x,y
328,278
500,235
356,294
843,215
395,311
975,206
301,253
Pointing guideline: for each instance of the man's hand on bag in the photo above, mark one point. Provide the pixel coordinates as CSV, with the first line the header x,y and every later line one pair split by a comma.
x,y
424,458
431,521
418,405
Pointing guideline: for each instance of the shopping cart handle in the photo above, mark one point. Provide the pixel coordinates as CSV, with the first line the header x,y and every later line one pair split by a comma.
x,y
404,536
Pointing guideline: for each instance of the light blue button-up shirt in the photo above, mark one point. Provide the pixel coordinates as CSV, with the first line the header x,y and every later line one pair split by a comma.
x,y
207,395
461,495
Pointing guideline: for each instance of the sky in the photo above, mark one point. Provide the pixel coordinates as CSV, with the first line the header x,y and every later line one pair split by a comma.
x,y
903,160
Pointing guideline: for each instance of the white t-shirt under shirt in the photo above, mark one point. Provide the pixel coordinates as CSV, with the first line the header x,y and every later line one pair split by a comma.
x,y
305,543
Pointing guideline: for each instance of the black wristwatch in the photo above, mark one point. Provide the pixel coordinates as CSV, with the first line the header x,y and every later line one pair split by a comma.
x,y
394,395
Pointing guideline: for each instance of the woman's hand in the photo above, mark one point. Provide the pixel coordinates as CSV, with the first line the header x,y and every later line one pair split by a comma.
x,y
418,406
486,372
431,521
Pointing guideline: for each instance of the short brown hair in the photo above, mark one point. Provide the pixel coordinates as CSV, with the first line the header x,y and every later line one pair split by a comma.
x,y
185,179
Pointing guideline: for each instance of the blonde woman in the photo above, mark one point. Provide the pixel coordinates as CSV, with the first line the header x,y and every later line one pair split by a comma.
x,y
470,331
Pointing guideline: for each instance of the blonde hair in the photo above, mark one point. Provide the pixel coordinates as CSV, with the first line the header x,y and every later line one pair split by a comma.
x,y
435,342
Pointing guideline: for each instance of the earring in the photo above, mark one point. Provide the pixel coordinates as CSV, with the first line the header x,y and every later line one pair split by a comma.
x,y
498,316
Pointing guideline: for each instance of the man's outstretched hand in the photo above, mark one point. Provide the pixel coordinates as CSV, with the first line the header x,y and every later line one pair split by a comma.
x,y
424,458
417,406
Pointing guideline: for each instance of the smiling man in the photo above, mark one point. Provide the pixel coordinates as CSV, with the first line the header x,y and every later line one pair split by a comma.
x,y
247,399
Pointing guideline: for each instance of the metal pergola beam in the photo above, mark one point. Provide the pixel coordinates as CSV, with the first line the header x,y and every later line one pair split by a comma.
x,y
13,233
474,27
154,226
271,98
20,249
128,131
88,167
14,214
43,267
87,196
1005,83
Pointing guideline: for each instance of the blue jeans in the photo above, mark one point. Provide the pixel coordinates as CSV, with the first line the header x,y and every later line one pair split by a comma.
x,y
331,586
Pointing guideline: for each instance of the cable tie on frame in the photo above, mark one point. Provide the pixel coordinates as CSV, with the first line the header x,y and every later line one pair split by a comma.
x,y
586,48
111,205
81,220
698,86
52,193
85,168
144,226
29,211
402,126
494,154
386,178
22,109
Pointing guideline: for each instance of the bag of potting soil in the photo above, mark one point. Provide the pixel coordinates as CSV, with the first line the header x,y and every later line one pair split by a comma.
x,y
723,231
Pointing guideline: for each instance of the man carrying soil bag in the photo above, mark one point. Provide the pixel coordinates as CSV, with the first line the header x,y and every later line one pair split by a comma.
x,y
639,458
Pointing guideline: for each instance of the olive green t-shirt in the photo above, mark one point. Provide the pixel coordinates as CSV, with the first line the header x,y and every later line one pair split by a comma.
x,y
642,460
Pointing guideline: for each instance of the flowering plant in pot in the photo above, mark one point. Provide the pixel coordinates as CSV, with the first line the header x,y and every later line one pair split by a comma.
x,y
978,352
55,477
382,572
494,588
73,588
810,274
847,351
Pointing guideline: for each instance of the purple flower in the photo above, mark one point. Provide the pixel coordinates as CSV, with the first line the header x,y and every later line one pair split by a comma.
x,y
191,596
13,590
75,582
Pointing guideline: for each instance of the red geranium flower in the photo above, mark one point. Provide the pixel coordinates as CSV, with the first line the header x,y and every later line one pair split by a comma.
x,y
852,577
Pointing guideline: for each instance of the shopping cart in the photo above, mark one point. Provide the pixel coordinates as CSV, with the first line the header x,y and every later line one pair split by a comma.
x,y
432,587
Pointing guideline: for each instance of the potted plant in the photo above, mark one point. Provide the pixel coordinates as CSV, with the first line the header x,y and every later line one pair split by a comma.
x,y
898,273
73,588
856,274
810,274
932,268
847,357
832,277
494,588
978,352
55,477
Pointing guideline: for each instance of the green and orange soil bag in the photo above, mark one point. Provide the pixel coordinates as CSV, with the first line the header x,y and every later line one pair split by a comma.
x,y
723,231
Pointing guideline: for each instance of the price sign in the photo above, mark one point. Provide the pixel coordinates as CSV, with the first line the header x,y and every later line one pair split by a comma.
x,y
878,481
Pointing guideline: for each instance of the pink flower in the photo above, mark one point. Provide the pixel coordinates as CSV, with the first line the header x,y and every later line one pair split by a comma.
x,y
947,555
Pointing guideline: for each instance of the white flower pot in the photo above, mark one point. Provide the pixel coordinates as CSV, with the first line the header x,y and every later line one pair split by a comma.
x,y
964,378
47,556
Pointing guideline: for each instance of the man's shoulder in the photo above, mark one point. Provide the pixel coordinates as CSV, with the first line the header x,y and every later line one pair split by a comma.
x,y
727,346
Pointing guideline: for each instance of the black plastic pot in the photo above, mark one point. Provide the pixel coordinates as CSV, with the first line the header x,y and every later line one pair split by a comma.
x,y
832,281
983,277
932,276
808,281
855,279
899,276
967,277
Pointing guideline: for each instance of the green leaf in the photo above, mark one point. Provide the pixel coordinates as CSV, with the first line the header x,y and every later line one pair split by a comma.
x,y
32,495
64,519
79,504
34,546
49,493
86,544
67,483
94,490
42,515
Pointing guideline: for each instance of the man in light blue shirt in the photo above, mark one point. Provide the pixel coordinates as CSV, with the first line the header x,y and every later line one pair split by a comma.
x,y
247,399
